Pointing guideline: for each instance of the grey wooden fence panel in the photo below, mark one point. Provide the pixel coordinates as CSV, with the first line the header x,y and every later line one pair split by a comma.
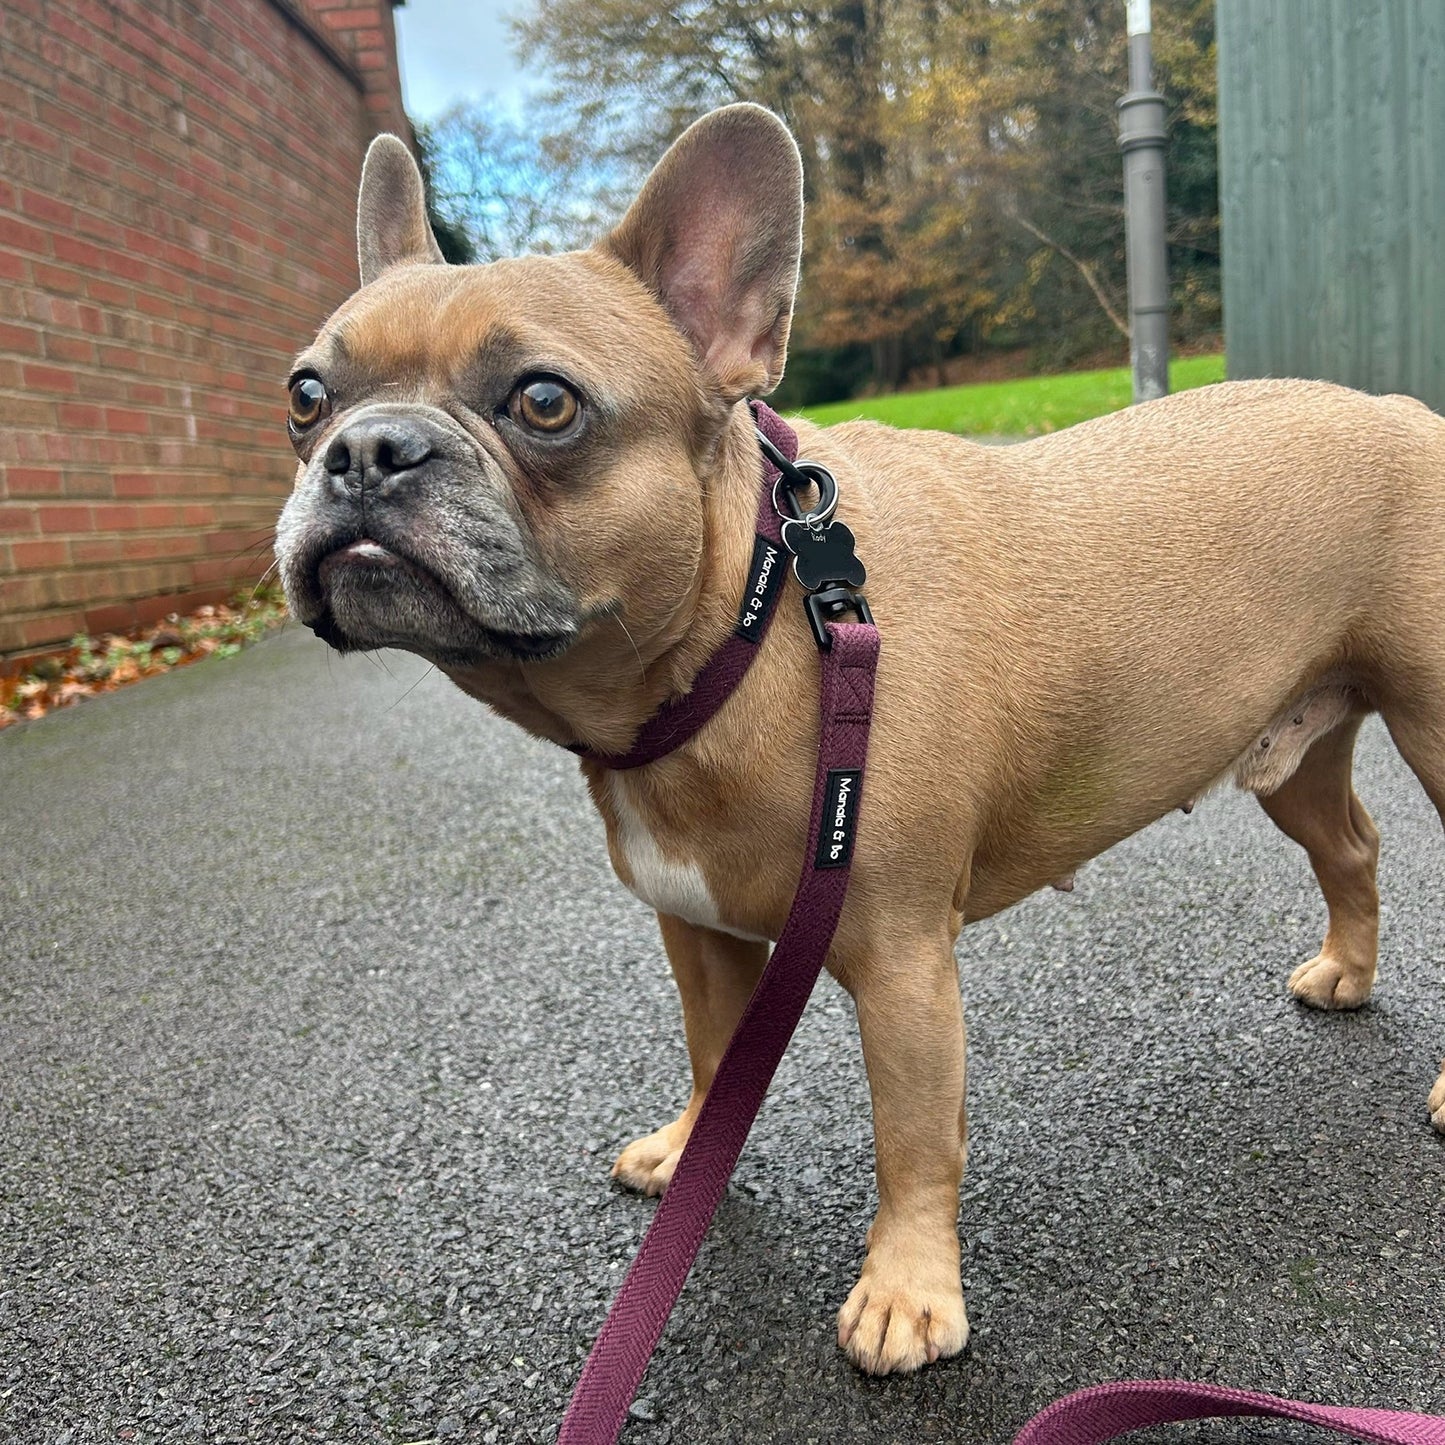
x,y
1332,190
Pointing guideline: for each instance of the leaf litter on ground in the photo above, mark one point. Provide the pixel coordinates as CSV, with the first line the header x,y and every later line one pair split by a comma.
x,y
94,665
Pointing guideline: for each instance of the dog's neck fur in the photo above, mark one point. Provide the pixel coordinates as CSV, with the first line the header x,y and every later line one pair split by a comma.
x,y
602,698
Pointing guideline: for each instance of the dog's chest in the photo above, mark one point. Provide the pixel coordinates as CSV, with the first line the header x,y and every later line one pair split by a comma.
x,y
664,881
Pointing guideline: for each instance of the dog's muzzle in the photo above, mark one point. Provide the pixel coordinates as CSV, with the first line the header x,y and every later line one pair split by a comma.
x,y
401,532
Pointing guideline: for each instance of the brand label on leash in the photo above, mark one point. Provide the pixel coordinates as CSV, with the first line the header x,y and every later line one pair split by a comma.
x,y
840,817
765,576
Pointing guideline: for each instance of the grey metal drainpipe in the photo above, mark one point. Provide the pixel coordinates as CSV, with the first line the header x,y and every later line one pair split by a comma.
x,y
1141,138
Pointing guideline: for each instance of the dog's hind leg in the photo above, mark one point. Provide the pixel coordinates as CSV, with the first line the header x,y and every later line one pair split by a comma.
x,y
1419,734
1317,807
715,975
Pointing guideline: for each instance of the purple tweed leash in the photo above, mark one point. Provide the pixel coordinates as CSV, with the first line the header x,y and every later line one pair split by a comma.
x,y
619,1358
1092,1416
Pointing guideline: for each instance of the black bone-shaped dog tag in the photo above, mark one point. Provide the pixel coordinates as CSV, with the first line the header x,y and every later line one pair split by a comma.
x,y
823,555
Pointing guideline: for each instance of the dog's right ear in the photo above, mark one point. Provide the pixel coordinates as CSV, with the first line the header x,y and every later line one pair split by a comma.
x,y
716,235
391,223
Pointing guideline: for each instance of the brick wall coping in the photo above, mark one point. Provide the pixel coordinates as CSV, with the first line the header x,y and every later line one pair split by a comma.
x,y
294,15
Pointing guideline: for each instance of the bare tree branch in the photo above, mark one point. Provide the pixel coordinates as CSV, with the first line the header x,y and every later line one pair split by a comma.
x,y
1085,269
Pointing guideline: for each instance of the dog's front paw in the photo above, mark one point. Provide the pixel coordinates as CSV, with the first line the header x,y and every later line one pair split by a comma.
x,y
1437,1102
900,1317
646,1164
1331,983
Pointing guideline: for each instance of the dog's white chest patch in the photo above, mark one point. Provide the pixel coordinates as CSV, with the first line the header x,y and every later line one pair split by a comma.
x,y
669,885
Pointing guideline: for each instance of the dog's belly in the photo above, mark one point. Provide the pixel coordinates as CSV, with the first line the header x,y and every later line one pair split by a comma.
x,y
670,885
1083,807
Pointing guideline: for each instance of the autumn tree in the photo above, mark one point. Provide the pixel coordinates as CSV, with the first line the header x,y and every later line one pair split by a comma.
x,y
633,74
964,186
1023,104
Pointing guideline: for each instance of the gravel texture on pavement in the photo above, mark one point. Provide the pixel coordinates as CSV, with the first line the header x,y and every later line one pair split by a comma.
x,y
322,1018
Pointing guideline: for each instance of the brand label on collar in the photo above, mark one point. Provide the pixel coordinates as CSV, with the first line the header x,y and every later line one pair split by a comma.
x,y
840,818
765,576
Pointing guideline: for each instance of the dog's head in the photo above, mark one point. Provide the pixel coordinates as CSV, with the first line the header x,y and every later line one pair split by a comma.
x,y
498,460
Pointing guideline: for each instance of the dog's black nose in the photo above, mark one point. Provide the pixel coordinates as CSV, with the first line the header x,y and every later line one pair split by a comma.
x,y
367,455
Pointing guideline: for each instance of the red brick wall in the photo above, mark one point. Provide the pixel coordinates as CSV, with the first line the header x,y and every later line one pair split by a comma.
x,y
177,202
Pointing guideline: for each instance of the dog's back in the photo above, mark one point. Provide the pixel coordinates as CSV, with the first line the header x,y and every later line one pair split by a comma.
x,y
1134,603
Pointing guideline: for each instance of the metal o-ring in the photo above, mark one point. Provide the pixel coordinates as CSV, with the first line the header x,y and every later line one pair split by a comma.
x,y
827,486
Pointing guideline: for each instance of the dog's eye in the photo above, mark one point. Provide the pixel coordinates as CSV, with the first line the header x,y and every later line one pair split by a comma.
x,y
545,406
309,403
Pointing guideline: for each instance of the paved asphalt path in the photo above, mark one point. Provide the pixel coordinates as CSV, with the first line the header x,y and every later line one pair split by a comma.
x,y
322,1017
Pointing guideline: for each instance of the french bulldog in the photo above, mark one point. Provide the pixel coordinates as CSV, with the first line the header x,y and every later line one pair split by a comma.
x,y
542,475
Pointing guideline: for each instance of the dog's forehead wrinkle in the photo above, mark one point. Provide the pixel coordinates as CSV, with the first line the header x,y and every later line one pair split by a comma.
x,y
482,329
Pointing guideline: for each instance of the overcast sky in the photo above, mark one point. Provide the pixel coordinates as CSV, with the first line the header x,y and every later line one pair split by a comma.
x,y
454,50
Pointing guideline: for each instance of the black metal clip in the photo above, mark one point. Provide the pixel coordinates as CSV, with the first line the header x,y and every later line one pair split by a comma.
x,y
828,606
823,558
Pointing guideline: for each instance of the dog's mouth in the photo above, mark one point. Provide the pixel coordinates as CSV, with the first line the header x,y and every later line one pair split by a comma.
x,y
367,560
366,594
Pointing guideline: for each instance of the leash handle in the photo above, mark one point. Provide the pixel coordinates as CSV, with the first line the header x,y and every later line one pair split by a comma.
x,y
1092,1416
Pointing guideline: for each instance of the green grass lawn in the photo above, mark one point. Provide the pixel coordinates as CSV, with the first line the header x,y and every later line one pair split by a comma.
x,y
1028,407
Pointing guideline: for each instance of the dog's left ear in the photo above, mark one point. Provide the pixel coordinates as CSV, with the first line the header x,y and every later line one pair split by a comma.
x,y
716,236
391,223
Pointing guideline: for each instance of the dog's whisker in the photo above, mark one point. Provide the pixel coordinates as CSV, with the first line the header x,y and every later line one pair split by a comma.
x,y
641,668
269,540
265,576
431,668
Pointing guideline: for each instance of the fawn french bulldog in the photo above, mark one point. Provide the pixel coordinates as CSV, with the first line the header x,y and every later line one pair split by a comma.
x,y
541,475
